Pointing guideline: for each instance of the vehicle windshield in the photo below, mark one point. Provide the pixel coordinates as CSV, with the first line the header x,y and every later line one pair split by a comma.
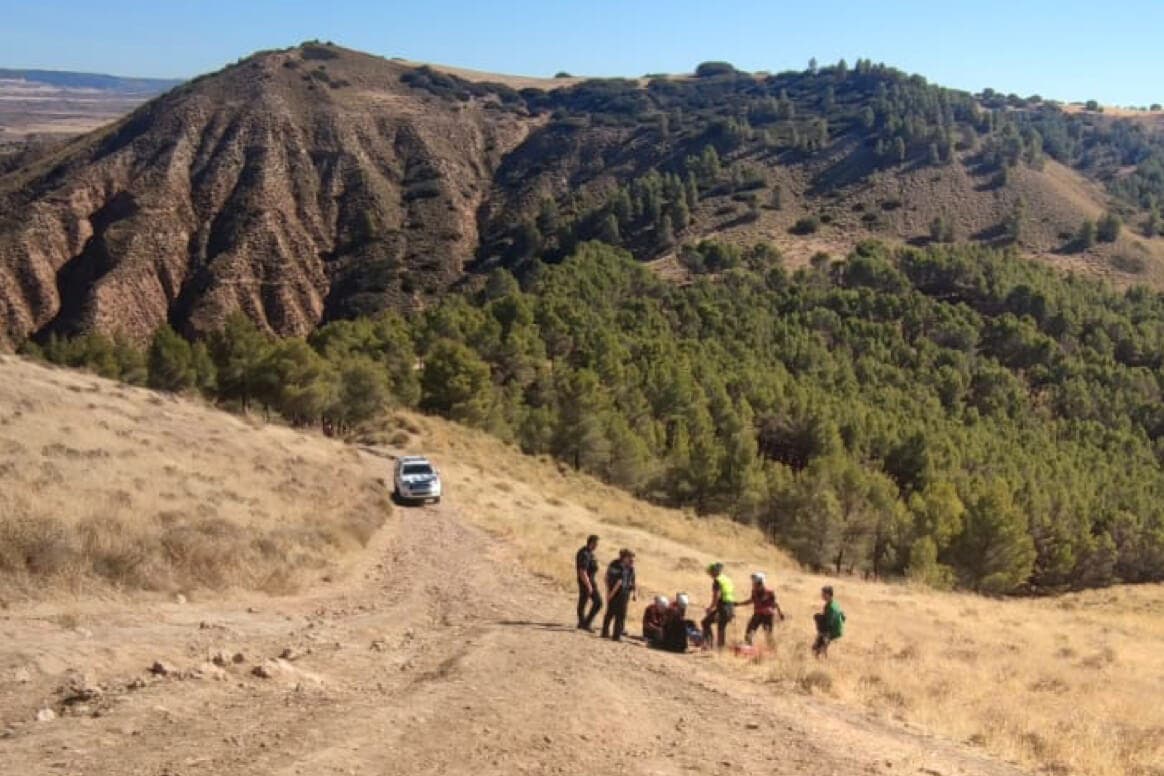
x,y
416,468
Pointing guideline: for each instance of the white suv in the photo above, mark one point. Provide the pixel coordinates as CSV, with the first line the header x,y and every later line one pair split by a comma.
x,y
415,479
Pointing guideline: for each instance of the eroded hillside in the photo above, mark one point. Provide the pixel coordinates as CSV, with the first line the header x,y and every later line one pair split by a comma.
x,y
316,183
294,186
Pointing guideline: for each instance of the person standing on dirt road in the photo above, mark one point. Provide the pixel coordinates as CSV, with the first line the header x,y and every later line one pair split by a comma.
x,y
586,567
620,588
722,609
765,608
830,623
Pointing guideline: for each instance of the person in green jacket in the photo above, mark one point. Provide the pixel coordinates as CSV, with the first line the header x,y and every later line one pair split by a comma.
x,y
830,623
722,609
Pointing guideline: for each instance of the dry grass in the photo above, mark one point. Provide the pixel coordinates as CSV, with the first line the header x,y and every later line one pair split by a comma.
x,y
510,80
902,202
1071,685
106,487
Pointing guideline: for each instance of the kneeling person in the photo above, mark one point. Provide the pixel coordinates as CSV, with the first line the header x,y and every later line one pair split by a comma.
x,y
654,616
675,626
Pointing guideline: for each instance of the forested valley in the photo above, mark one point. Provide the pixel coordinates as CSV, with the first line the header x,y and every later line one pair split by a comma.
x,y
952,414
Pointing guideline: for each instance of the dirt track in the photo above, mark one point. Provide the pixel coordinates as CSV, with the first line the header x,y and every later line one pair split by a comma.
x,y
441,657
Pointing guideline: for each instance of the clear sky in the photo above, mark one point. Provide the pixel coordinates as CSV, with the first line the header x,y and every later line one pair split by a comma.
x,y
1112,51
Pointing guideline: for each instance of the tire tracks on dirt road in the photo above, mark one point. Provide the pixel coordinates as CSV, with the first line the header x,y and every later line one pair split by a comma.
x,y
444,658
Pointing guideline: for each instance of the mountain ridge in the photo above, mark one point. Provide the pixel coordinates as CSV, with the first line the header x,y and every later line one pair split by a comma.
x,y
315,183
75,79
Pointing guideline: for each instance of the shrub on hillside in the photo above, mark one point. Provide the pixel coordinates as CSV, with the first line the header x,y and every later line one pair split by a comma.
x,y
1107,229
942,229
712,69
806,225
317,51
1085,237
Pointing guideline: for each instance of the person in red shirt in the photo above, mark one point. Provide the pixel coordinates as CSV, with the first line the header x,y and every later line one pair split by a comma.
x,y
654,617
764,608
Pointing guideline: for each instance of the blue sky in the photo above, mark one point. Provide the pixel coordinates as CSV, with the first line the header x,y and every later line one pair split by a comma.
x,y
1111,51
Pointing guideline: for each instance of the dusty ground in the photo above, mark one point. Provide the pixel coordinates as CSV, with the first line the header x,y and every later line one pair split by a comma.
x,y
444,657
1042,682
443,644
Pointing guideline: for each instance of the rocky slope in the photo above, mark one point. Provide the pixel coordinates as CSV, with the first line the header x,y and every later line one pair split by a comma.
x,y
293,185
316,182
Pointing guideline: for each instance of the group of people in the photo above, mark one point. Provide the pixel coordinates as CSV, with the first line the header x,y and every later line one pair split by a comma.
x,y
665,622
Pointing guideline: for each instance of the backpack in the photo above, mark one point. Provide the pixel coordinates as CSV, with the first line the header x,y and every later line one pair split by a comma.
x,y
839,624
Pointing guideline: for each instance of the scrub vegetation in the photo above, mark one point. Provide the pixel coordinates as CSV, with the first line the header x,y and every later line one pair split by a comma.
x,y
954,415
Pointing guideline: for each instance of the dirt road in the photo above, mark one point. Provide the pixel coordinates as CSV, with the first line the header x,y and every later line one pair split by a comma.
x,y
441,657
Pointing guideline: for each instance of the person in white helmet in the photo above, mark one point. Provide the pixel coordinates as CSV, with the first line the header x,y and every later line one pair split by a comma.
x,y
653,618
765,608
676,625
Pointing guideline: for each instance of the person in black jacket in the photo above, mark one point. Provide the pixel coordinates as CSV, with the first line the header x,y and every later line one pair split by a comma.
x,y
620,589
586,566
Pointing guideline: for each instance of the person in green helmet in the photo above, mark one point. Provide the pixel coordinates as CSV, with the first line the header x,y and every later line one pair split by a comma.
x,y
722,609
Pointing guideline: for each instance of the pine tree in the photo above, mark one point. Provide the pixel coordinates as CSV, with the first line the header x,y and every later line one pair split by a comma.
x,y
580,435
923,566
899,148
300,385
549,219
710,164
455,382
942,229
528,241
810,524
363,391
994,553
908,463
205,375
1015,222
1107,229
608,231
680,215
1085,237
131,362
239,351
785,108
620,205
666,234
704,460
629,461
691,192
1152,224
169,362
